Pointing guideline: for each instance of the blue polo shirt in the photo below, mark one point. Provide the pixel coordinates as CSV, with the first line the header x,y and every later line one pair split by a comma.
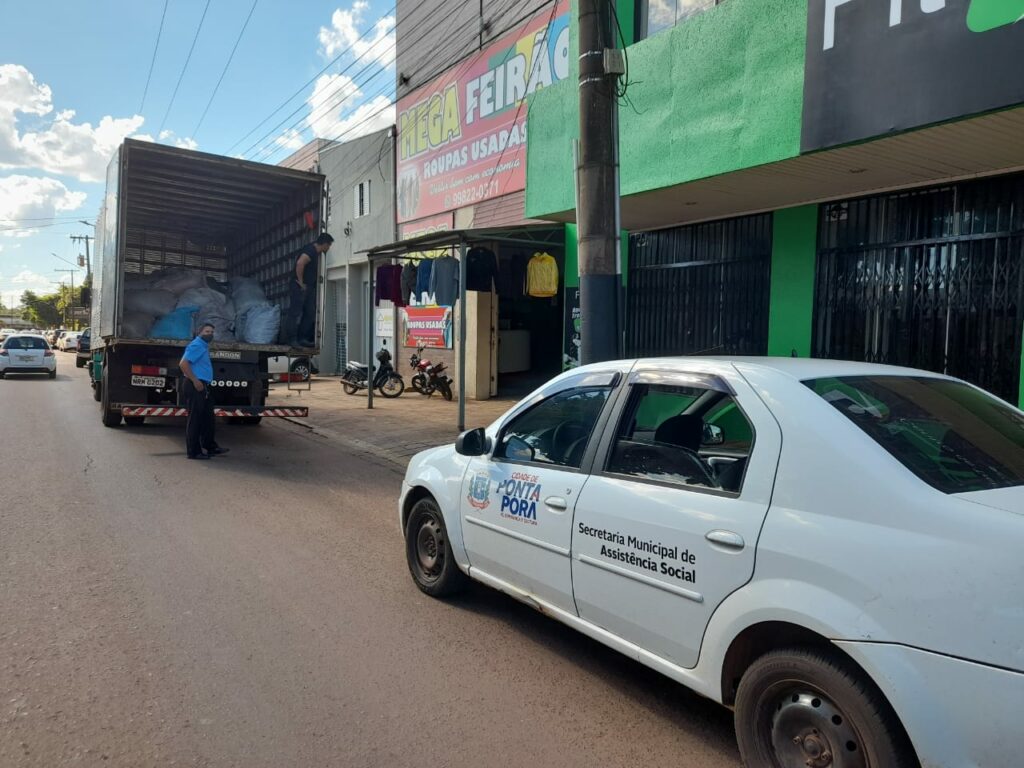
x,y
198,355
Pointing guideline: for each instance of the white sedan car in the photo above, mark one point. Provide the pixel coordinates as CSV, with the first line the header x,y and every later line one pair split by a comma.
x,y
68,342
25,353
833,549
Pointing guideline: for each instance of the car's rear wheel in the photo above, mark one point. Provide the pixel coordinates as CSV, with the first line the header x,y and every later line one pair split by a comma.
x,y
302,368
52,374
429,552
802,707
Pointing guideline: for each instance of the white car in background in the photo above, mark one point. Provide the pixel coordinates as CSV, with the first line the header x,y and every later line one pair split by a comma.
x,y
833,549
301,368
68,341
26,353
5,332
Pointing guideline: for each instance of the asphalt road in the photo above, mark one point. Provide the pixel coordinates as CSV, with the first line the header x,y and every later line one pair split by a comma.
x,y
255,610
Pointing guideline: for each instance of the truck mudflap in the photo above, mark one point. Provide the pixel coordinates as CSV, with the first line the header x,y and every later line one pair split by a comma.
x,y
263,410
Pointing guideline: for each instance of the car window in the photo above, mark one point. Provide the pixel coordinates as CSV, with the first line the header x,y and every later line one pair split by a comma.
x,y
682,435
25,342
954,437
556,430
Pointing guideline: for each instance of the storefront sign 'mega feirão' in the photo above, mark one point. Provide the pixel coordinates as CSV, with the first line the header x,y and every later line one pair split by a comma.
x,y
462,138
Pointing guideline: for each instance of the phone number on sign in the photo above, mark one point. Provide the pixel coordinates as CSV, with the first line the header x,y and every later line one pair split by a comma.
x,y
472,194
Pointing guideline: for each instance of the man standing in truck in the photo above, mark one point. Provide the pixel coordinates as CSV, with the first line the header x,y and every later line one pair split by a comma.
x,y
197,367
300,323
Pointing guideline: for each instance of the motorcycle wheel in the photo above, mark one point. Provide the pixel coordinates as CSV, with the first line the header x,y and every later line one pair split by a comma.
x,y
392,387
349,387
419,383
445,389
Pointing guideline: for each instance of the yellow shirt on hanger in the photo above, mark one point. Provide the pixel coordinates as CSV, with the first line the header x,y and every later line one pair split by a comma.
x,y
542,276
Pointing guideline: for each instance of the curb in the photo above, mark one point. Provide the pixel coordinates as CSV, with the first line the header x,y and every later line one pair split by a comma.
x,y
360,445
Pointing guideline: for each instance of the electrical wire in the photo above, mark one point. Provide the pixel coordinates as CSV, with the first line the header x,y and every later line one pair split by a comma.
x,y
185,67
225,70
156,47
308,83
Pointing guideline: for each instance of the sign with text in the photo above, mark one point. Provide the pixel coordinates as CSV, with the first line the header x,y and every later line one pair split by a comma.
x,y
384,322
875,67
462,138
427,327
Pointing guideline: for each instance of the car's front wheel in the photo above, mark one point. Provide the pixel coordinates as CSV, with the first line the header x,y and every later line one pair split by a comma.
x,y
429,552
802,707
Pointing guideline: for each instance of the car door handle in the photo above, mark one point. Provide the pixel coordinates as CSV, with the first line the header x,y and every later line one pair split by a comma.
x,y
727,539
556,502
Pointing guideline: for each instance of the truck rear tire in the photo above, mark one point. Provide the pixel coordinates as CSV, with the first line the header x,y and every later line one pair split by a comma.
x,y
110,418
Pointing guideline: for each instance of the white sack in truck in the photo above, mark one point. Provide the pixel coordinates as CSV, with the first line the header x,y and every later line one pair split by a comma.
x,y
215,308
247,292
261,324
152,302
136,325
177,280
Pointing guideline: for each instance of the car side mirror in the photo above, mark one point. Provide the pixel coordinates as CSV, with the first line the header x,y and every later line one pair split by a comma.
x,y
713,435
473,443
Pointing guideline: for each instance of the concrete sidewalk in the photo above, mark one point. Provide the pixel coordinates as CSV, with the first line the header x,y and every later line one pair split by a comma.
x,y
395,429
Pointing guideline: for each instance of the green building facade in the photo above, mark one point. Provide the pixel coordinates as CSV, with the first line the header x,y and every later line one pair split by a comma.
x,y
809,178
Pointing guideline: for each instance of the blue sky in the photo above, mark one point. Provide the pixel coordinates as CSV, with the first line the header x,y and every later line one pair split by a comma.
x,y
73,75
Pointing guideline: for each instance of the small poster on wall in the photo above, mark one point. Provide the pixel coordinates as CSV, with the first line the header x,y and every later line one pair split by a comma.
x,y
571,352
385,323
427,327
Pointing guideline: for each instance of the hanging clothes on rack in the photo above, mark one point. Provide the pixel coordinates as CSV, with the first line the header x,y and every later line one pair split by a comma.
x,y
481,269
444,281
389,284
409,274
511,280
423,273
542,276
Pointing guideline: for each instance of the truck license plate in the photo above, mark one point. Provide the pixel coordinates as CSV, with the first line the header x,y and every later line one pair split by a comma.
x,y
149,381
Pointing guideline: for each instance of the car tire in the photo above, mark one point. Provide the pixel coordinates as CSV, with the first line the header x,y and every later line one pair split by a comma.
x,y
795,704
303,368
52,374
428,551
79,363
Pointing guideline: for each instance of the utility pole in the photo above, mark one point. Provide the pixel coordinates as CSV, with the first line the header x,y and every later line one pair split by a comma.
x,y
71,300
597,213
86,239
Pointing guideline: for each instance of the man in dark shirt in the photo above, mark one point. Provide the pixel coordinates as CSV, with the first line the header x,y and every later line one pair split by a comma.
x,y
300,322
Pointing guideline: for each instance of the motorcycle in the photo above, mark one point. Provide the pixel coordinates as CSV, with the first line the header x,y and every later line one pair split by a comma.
x,y
386,379
429,377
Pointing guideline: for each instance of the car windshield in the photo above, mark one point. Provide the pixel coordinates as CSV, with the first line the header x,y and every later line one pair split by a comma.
x,y
25,342
954,437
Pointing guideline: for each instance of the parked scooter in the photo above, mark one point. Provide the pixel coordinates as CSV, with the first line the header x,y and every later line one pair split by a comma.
x,y
430,377
386,379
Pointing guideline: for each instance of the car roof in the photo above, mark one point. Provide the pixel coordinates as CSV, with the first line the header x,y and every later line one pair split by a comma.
x,y
796,368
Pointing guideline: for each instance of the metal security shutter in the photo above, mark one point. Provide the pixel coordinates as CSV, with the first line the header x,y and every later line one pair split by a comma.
x,y
930,279
700,289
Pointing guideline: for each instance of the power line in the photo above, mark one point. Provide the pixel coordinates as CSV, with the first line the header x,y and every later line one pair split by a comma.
x,y
182,75
308,83
225,71
156,47
328,105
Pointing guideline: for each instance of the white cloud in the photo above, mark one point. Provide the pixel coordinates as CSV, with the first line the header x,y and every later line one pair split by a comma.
x,y
26,280
290,139
329,100
374,115
344,35
26,200
60,146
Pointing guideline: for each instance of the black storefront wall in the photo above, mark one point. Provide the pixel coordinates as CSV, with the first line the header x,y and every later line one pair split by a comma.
x,y
930,279
700,289
875,67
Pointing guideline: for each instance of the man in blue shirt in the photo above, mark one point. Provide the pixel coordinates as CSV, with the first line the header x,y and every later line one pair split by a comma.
x,y
195,364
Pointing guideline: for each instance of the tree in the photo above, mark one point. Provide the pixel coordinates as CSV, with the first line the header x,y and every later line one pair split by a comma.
x,y
44,311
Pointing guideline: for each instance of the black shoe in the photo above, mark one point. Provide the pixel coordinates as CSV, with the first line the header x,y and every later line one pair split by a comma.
x,y
200,456
217,451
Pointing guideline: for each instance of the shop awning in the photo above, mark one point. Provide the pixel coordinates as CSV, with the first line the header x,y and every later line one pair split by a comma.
x,y
534,235
538,236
